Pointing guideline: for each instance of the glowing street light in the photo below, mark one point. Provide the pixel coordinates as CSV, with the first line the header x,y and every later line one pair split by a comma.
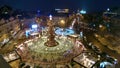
x,y
100,26
108,9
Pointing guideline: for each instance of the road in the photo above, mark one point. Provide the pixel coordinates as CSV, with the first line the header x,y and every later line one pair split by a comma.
x,y
10,45
102,47
110,41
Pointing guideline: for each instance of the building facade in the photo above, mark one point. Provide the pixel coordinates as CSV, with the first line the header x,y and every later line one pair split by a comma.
x,y
8,30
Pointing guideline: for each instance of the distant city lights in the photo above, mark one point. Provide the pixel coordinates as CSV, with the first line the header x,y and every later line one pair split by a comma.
x,y
83,12
62,10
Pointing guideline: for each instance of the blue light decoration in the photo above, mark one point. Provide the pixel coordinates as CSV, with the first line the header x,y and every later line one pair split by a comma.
x,y
34,26
104,64
27,33
116,61
83,12
59,31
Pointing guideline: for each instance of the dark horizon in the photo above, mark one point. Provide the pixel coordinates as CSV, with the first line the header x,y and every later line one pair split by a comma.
x,y
89,6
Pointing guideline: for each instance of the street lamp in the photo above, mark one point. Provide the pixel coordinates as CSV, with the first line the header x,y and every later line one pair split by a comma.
x,y
108,9
100,26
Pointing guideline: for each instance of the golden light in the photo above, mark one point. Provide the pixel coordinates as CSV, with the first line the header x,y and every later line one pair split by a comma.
x,y
100,26
62,22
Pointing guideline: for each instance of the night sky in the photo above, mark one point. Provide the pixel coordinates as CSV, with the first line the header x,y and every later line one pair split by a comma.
x,y
88,5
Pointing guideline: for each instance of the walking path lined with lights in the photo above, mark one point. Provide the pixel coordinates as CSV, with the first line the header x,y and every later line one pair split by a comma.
x,y
109,42
103,48
64,31
35,50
